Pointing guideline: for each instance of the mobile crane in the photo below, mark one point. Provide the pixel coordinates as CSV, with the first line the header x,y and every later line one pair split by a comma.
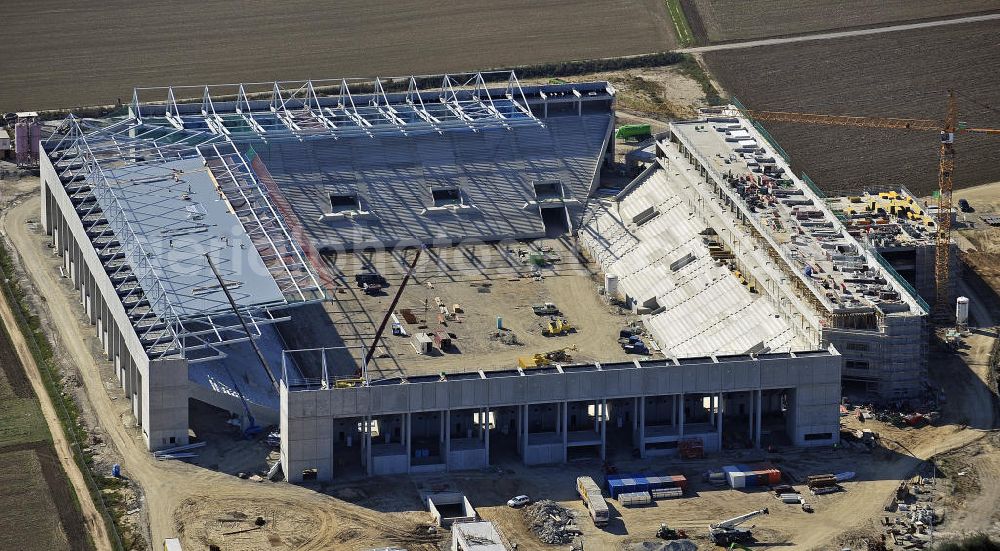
x,y
728,531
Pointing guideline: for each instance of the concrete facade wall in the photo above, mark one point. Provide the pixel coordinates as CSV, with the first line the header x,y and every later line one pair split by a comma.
x,y
309,416
157,389
891,361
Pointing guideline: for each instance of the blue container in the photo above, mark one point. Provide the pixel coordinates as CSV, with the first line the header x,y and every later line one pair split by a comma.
x,y
116,470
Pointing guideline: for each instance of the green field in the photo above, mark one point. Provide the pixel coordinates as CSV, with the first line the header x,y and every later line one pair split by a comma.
x,y
37,507
685,36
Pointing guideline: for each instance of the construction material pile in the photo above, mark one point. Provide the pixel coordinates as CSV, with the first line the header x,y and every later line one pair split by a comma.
x,y
550,522
505,337
677,545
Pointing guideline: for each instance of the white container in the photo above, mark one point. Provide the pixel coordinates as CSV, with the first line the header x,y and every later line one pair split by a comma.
x,y
611,285
962,311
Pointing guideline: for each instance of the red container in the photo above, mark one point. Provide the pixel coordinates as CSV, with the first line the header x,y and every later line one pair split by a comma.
x,y
680,481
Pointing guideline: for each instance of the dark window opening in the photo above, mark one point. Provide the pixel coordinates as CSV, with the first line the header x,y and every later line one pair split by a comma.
x,y
344,202
818,436
446,197
856,364
548,189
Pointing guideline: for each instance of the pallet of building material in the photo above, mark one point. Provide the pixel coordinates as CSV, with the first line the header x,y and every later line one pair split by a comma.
x,y
790,498
821,480
666,493
634,499
825,490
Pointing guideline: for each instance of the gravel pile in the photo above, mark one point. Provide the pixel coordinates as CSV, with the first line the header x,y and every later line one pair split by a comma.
x,y
550,522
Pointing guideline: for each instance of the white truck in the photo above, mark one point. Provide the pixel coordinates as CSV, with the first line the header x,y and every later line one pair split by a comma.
x,y
591,495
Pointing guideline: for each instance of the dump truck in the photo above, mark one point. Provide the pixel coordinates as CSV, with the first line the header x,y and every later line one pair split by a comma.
x,y
591,495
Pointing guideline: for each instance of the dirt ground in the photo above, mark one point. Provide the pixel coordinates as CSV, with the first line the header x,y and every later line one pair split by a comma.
x,y
980,242
189,501
179,499
903,74
661,92
105,49
773,18
40,475
487,281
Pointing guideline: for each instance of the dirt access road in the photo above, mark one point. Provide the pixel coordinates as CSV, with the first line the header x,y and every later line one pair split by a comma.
x,y
172,487
92,518
183,499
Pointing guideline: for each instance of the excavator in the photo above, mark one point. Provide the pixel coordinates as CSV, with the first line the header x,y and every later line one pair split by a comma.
x,y
728,531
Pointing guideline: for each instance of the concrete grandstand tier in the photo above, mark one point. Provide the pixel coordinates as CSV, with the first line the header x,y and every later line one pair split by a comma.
x,y
720,226
363,163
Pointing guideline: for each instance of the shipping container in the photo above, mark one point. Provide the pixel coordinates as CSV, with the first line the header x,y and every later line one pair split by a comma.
x,y
622,483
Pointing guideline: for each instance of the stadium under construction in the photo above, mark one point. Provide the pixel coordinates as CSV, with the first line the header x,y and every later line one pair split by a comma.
x,y
220,247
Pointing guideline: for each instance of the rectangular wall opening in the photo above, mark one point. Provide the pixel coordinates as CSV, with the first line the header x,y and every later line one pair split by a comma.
x,y
447,197
341,203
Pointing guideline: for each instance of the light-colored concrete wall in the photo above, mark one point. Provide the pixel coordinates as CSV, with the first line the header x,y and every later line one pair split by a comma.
x,y
308,416
161,411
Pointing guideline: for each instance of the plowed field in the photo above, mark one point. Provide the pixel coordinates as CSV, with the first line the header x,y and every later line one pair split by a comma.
x,y
66,53
903,74
727,20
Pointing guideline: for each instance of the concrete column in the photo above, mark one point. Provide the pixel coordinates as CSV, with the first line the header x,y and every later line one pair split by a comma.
x,y
604,428
486,434
564,420
635,413
597,415
750,415
407,426
719,426
369,468
441,428
673,410
680,416
519,412
711,409
524,439
447,437
759,414
642,426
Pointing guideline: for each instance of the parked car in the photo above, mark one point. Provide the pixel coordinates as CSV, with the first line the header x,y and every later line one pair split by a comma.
x,y
965,206
519,501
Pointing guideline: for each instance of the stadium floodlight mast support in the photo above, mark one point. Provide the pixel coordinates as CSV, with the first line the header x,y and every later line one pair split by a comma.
x,y
341,108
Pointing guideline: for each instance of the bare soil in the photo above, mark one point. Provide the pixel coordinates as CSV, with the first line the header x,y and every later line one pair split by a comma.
x,y
487,281
61,54
728,20
902,74
663,93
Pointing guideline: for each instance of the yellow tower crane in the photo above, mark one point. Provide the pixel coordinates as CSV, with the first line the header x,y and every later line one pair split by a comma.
x,y
947,128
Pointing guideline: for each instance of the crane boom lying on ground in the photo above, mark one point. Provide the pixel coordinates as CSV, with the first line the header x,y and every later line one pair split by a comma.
x,y
946,167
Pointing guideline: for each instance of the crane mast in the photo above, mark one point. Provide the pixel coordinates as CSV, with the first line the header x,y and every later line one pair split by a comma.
x,y
942,251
